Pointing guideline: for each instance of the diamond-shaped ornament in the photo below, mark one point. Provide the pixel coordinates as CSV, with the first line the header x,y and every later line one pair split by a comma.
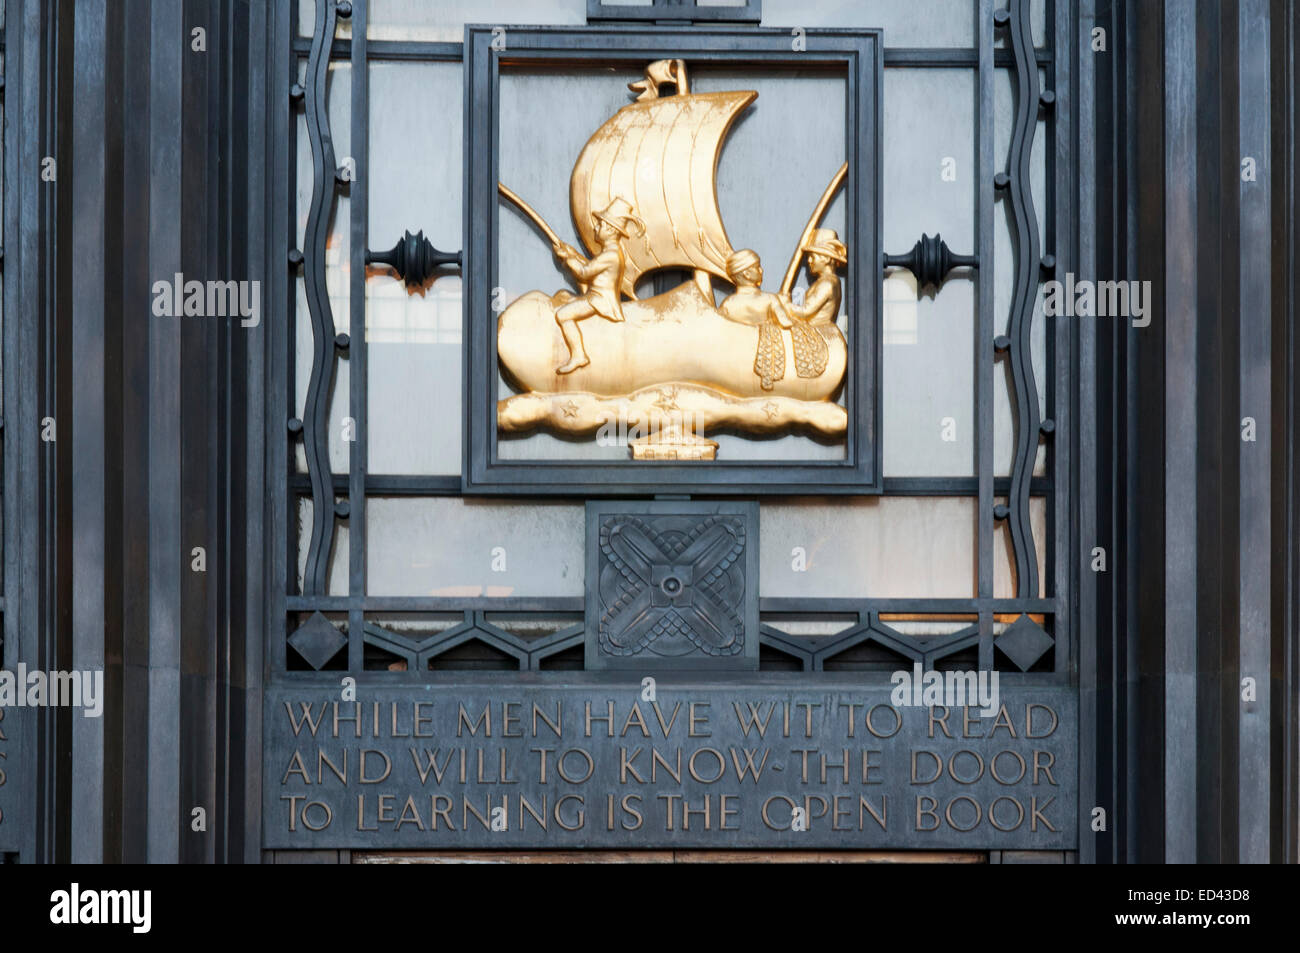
x,y
1024,642
317,641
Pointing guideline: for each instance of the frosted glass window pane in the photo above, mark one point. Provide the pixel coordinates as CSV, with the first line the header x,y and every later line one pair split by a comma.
x,y
446,547
416,158
919,23
929,186
414,393
444,20
414,336
914,23
878,547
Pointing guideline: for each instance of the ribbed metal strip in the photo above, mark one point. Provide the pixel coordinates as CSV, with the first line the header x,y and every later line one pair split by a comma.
x,y
1020,327
316,413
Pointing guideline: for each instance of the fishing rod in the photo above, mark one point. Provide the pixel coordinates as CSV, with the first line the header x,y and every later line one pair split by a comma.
x,y
532,214
817,214
539,222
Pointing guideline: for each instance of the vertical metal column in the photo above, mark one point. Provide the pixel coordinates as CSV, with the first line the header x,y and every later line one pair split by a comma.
x,y
86,429
357,355
1255,486
166,48
985,202
1093,742
1062,546
1181,434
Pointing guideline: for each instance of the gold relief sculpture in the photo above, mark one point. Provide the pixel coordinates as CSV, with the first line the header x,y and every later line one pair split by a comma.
x,y
643,197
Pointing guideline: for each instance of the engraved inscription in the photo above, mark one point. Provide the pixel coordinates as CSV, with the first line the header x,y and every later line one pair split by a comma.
x,y
701,765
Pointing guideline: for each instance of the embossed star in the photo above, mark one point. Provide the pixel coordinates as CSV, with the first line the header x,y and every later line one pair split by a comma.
x,y
570,409
770,409
667,399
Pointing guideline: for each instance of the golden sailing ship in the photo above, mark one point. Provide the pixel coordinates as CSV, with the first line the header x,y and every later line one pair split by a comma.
x,y
643,198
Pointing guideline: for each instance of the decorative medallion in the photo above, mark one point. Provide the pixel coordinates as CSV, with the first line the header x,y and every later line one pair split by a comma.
x,y
671,585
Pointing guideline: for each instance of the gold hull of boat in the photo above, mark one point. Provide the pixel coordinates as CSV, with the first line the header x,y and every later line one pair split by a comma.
x,y
676,337
673,363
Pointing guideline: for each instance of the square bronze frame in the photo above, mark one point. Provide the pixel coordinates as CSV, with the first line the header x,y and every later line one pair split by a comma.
x,y
860,54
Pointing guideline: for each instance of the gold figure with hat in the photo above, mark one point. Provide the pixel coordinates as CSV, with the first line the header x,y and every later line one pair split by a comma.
x,y
643,197
821,302
602,275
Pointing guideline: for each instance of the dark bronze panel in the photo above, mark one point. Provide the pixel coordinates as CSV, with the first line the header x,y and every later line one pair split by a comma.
x,y
672,585
591,762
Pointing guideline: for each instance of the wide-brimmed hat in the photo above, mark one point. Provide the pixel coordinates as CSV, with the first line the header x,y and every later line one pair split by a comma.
x,y
618,214
824,241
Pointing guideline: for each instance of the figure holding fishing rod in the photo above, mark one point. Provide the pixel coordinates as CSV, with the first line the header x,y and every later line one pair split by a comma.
x,y
600,278
821,303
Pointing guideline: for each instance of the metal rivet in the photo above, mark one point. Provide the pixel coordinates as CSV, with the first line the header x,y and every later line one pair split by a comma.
x,y
296,91
345,9
1048,263
341,341
1001,343
1048,425
295,256
295,425
1001,512
1047,98
1001,17
342,510
1001,180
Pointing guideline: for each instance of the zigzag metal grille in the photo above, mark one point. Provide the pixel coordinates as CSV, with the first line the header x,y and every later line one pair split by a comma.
x,y
866,643
812,654
527,653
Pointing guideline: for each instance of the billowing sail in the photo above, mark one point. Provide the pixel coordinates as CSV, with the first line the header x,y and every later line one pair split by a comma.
x,y
662,156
